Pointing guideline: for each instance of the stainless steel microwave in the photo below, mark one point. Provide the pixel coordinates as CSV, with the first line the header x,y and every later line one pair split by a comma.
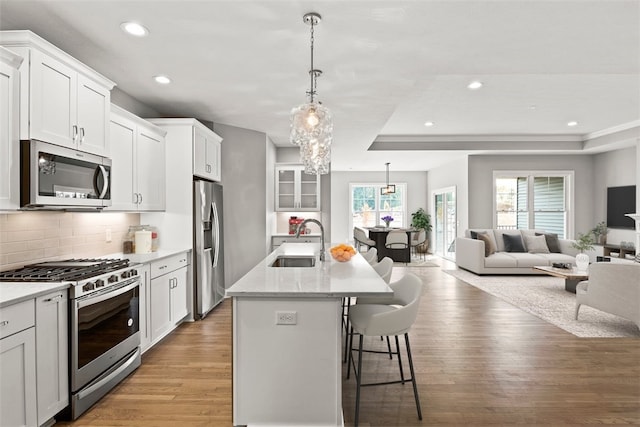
x,y
55,177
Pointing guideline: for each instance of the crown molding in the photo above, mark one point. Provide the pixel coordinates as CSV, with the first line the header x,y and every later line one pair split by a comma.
x,y
612,130
502,142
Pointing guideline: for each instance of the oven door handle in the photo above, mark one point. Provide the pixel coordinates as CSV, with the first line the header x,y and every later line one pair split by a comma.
x,y
107,295
110,375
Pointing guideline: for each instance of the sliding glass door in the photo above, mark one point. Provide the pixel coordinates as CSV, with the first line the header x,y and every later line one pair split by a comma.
x,y
444,222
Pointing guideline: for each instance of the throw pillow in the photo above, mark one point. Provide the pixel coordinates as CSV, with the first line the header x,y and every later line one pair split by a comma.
x,y
488,244
513,243
552,242
536,244
474,234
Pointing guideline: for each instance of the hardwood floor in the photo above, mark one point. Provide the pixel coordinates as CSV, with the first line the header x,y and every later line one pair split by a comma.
x,y
479,362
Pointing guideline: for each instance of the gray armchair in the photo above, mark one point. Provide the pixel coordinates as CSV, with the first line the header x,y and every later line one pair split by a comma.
x,y
613,288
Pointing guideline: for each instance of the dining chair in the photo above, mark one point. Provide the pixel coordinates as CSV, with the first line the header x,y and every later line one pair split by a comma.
x,y
420,238
390,320
360,238
397,239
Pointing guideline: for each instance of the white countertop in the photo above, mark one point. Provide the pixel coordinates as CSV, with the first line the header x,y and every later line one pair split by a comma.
x,y
326,279
152,256
14,292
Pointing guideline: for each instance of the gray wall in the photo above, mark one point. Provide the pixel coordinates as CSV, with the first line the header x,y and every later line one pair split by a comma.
x,y
131,104
340,211
613,169
481,169
244,168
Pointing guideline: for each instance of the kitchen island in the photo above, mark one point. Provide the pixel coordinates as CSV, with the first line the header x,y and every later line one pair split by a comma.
x,y
287,339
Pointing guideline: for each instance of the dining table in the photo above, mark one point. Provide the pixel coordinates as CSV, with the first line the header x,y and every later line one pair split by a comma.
x,y
379,235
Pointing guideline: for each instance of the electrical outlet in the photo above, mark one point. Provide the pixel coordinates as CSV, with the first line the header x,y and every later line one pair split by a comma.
x,y
286,317
107,235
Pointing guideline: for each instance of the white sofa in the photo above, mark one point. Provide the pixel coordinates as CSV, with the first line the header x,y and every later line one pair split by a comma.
x,y
470,254
613,288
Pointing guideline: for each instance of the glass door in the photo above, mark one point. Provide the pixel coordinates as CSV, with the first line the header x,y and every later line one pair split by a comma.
x,y
445,220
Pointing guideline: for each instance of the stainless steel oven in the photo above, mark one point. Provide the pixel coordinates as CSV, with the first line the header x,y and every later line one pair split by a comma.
x,y
105,340
54,177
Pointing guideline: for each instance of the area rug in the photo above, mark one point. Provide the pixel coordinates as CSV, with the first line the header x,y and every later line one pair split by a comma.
x,y
545,297
417,261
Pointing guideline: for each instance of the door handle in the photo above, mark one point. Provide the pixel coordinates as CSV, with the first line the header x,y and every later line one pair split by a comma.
x,y
105,183
81,135
216,223
75,133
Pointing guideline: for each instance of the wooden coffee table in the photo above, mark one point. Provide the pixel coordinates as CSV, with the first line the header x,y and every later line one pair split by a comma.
x,y
571,276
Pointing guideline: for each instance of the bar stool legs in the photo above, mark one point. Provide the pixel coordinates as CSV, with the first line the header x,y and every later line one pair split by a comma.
x,y
403,380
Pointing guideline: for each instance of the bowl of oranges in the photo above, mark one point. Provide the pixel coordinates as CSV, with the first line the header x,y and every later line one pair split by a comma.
x,y
342,252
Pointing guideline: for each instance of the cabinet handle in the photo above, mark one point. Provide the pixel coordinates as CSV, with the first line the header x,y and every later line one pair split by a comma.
x,y
81,135
140,197
162,267
4,323
57,297
75,133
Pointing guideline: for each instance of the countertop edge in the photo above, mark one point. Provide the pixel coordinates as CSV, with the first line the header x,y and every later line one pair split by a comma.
x,y
29,293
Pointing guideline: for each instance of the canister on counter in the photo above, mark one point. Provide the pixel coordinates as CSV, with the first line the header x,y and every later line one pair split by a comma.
x,y
143,242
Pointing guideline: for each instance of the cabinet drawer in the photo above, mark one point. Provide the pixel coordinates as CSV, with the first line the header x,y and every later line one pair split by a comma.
x,y
17,317
171,263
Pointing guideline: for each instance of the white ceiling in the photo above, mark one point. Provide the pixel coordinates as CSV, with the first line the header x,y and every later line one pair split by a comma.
x,y
388,66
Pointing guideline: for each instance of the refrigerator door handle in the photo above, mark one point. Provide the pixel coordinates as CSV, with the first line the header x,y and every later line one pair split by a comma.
x,y
216,233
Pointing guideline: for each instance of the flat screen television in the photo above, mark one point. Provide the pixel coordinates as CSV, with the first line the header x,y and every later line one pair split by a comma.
x,y
621,201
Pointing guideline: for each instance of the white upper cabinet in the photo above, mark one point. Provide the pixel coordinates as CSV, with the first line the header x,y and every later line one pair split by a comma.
x,y
9,130
138,163
206,154
205,144
296,190
63,101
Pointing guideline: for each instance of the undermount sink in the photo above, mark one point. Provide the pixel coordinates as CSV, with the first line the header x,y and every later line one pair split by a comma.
x,y
294,261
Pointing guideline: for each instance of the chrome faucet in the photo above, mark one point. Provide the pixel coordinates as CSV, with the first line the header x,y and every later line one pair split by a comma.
x,y
315,221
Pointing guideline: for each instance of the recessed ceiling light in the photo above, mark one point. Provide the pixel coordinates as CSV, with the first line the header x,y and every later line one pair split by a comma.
x,y
533,107
429,124
163,80
475,85
572,123
134,29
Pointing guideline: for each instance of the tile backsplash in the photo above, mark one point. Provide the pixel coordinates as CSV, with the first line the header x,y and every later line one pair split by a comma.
x,y
29,237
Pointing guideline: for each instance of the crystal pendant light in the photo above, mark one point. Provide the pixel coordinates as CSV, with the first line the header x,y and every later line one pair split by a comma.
x,y
311,123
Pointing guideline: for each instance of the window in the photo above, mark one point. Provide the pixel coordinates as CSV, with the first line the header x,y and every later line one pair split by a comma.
x,y
368,206
534,200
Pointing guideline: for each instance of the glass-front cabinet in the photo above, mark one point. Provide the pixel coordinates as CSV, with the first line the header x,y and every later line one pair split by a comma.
x,y
296,190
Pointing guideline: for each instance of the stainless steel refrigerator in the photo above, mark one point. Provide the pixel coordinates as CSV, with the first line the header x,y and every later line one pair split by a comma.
x,y
209,286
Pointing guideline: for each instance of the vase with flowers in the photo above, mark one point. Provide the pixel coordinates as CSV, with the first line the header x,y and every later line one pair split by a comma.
x,y
387,220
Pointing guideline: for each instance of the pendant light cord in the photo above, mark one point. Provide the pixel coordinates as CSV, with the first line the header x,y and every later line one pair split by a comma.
x,y
312,72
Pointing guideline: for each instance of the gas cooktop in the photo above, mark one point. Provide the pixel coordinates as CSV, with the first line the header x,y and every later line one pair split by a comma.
x,y
65,270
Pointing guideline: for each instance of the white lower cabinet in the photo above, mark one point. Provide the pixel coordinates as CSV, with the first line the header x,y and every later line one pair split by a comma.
x,y
52,371
18,404
168,295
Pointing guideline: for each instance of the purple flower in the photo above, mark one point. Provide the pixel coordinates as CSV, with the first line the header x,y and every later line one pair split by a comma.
x,y
387,218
